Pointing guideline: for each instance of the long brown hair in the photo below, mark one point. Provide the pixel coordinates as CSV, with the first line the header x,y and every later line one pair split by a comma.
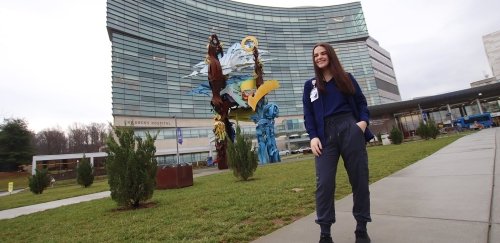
x,y
342,79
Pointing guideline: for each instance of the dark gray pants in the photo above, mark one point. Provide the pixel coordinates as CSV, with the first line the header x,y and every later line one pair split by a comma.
x,y
343,138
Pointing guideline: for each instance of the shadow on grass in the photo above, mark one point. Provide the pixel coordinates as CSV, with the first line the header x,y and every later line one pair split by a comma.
x,y
150,204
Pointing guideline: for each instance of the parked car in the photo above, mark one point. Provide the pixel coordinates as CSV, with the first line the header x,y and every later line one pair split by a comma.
x,y
285,152
305,150
302,150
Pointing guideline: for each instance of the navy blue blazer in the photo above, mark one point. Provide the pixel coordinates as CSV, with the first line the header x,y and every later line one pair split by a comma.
x,y
313,111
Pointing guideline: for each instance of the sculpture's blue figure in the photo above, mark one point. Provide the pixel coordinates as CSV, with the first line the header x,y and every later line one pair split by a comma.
x,y
264,118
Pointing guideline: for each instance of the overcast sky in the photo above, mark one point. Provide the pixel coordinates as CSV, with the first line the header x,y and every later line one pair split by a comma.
x,y
55,55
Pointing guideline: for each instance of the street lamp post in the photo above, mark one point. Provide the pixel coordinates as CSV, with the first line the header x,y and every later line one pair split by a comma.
x,y
451,114
287,138
176,139
479,103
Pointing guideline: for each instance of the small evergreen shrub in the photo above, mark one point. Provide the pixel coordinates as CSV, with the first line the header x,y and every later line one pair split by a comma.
x,y
396,136
427,131
241,158
423,130
85,175
131,167
433,129
39,181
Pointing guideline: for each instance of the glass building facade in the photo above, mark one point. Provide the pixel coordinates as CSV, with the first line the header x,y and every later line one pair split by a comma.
x,y
383,71
155,43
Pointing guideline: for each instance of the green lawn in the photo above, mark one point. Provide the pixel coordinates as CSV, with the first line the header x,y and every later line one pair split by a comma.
x,y
20,182
62,189
217,208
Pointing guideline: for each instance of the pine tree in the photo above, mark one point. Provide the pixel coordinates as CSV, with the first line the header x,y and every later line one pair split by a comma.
x,y
131,167
241,158
85,175
433,129
396,136
16,144
39,181
427,130
423,130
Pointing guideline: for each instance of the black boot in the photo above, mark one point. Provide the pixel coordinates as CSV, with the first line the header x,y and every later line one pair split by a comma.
x,y
325,239
361,226
362,237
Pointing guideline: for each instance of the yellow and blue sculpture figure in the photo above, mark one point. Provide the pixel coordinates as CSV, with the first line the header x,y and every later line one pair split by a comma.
x,y
264,118
240,96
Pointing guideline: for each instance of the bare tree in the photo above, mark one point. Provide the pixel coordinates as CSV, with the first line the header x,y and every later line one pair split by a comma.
x,y
97,136
78,139
51,141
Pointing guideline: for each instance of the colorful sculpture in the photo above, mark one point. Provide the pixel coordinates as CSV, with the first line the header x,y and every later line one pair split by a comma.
x,y
239,97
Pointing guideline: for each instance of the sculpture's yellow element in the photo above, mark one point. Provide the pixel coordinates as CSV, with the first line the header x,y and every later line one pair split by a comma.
x,y
247,88
264,89
219,128
254,43
241,114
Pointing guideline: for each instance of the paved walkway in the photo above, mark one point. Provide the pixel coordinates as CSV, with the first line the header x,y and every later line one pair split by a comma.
x,y
15,212
447,197
6,193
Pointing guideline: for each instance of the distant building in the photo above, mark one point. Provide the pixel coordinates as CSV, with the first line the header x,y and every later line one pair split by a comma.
x,y
443,109
485,81
156,43
492,48
385,78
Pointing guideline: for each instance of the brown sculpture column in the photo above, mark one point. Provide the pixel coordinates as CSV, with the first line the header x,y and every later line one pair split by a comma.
x,y
218,82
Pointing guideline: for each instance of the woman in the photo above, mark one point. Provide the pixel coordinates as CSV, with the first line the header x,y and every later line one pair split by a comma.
x,y
336,116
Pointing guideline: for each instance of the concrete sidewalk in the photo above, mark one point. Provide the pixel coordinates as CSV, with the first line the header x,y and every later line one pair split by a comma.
x,y
15,212
446,197
5,193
